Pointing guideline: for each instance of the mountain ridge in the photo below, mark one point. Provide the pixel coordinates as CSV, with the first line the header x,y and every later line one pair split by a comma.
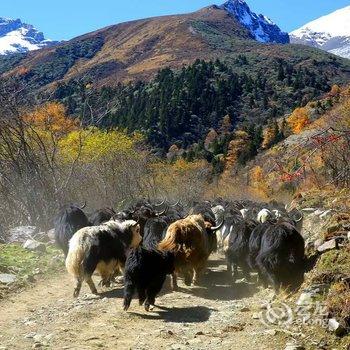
x,y
330,33
19,37
138,49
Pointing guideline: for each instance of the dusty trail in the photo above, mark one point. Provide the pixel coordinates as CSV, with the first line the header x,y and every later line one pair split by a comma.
x,y
215,316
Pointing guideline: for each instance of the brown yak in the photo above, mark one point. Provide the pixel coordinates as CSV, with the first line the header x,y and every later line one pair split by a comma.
x,y
188,240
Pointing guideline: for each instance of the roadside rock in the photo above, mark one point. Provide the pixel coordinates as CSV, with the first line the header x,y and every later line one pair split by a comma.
x,y
329,245
306,298
34,246
21,233
7,278
325,215
51,235
335,327
292,346
318,243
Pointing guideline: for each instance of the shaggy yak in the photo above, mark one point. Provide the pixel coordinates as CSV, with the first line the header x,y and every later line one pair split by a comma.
x,y
188,240
101,216
281,258
102,248
145,272
238,248
146,267
69,220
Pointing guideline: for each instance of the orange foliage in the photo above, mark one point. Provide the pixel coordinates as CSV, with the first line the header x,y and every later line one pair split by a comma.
x,y
335,91
52,118
235,149
270,135
299,119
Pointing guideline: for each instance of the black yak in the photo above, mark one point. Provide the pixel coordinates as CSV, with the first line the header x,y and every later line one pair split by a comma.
x,y
145,272
101,216
69,220
238,247
281,258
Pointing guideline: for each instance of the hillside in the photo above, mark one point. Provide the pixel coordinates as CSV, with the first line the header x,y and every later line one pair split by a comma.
x,y
137,50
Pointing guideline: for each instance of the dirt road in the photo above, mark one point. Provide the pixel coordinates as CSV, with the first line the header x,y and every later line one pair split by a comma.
x,y
215,316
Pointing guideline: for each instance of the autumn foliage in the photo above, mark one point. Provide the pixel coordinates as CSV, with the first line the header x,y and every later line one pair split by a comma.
x,y
299,119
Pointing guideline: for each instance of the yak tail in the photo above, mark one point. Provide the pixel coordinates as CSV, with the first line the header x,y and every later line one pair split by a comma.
x,y
75,258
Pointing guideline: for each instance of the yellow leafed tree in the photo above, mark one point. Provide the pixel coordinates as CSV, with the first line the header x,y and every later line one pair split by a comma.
x,y
299,119
93,144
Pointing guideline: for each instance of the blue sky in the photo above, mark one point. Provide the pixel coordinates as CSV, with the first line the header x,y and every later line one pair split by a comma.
x,y
64,19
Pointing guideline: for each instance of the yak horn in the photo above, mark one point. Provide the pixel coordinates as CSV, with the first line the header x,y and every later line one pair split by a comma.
x,y
163,211
175,204
296,218
83,206
161,203
215,228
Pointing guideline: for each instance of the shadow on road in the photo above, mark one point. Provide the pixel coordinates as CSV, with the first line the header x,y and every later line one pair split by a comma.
x,y
193,314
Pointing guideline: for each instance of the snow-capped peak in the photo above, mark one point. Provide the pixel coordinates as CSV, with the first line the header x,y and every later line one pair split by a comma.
x,y
330,33
19,37
261,27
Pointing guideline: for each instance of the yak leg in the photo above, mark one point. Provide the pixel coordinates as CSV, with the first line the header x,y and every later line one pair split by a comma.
x,y
91,284
142,295
78,283
174,281
152,291
246,272
129,290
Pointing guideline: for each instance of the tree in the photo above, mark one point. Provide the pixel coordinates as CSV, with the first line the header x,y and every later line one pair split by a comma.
x,y
270,135
299,119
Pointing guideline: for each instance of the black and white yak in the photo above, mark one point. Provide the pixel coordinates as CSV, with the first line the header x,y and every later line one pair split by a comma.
x,y
102,248
69,220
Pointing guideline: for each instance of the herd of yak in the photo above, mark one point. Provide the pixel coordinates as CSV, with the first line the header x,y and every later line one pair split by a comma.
x,y
148,241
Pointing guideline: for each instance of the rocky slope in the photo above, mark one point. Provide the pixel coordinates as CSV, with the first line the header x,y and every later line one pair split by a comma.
x,y
261,27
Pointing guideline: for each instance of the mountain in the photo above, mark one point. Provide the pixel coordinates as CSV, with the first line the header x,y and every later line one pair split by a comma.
x,y
136,50
260,27
330,33
19,37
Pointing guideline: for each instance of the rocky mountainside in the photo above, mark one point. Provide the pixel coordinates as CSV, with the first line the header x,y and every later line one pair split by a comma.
x,y
136,50
19,37
261,27
330,33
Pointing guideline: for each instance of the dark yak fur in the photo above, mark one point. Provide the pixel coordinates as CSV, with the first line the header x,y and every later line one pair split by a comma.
x,y
281,259
154,232
145,272
100,216
255,242
238,247
69,220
